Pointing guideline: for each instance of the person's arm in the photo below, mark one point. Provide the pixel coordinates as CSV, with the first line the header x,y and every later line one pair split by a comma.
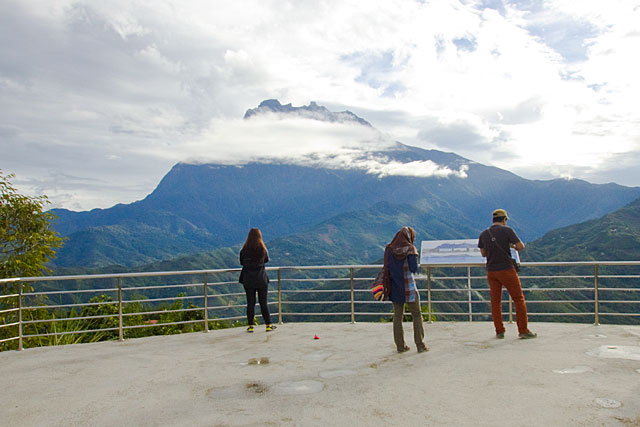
x,y
266,257
240,256
515,242
481,246
413,263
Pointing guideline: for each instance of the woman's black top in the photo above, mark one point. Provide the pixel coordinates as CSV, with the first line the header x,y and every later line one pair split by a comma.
x,y
253,274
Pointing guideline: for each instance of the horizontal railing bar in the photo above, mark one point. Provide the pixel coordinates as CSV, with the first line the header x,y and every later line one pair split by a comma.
x,y
602,301
84,304
51,334
226,295
433,290
144,313
119,275
557,289
284,313
317,267
620,314
237,305
9,296
619,289
218,307
310,291
9,324
559,301
162,299
77,291
235,282
105,316
133,288
334,279
529,313
9,339
316,302
149,325
367,313
233,318
10,310
618,276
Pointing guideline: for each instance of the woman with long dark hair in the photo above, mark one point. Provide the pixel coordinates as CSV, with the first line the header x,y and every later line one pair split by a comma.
x,y
400,263
253,277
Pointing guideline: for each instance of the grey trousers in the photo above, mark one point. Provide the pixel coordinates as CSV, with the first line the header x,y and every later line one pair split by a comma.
x,y
418,330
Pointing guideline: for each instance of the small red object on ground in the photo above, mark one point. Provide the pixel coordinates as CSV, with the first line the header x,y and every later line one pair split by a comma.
x,y
316,337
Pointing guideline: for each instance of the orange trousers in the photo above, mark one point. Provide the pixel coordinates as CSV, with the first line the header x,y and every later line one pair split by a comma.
x,y
510,280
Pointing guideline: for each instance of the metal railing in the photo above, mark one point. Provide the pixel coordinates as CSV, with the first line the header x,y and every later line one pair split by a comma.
x,y
448,292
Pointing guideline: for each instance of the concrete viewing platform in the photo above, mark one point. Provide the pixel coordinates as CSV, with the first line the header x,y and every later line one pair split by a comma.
x,y
571,375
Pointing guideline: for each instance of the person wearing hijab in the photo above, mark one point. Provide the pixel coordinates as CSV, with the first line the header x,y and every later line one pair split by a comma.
x,y
400,262
253,277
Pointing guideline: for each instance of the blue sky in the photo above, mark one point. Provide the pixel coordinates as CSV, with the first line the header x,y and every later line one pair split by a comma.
x,y
100,99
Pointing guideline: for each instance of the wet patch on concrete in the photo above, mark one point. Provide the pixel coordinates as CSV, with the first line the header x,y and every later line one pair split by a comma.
x,y
480,345
248,390
298,387
575,370
317,356
337,373
607,403
629,352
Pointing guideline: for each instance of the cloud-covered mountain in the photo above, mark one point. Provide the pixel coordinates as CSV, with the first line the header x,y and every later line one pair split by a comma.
x,y
311,111
199,207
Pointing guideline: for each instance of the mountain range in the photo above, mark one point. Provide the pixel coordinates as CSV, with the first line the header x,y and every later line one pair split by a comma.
x,y
320,214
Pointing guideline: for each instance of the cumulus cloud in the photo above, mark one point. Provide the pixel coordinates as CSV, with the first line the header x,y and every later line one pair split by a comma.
x,y
88,88
274,138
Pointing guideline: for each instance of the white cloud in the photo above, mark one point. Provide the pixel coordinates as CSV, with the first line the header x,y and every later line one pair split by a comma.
x,y
89,87
302,141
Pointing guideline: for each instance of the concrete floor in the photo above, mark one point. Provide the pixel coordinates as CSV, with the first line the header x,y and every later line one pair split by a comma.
x,y
571,375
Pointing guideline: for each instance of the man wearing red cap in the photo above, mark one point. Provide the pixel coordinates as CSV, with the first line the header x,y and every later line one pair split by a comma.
x,y
495,244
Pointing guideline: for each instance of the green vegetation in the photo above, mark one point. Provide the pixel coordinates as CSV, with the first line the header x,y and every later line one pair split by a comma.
x,y
99,322
27,240
27,243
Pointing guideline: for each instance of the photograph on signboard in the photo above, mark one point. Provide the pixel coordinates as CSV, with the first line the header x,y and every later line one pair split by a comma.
x,y
462,251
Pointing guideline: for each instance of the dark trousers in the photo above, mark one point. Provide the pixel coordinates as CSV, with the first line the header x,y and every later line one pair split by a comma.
x,y
251,304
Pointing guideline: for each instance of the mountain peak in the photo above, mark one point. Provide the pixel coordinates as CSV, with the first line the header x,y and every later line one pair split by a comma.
x,y
311,111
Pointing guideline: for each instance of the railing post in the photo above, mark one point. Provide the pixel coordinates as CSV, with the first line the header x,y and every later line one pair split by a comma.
x,y
353,314
429,293
120,329
20,316
596,301
279,298
206,302
469,293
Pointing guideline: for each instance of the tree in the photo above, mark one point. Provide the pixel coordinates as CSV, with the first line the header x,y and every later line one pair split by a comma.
x,y
27,240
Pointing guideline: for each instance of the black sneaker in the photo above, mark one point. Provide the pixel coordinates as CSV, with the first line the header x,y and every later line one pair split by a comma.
x,y
402,350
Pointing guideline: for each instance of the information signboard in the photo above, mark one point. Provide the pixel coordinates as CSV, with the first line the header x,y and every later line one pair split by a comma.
x,y
462,251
